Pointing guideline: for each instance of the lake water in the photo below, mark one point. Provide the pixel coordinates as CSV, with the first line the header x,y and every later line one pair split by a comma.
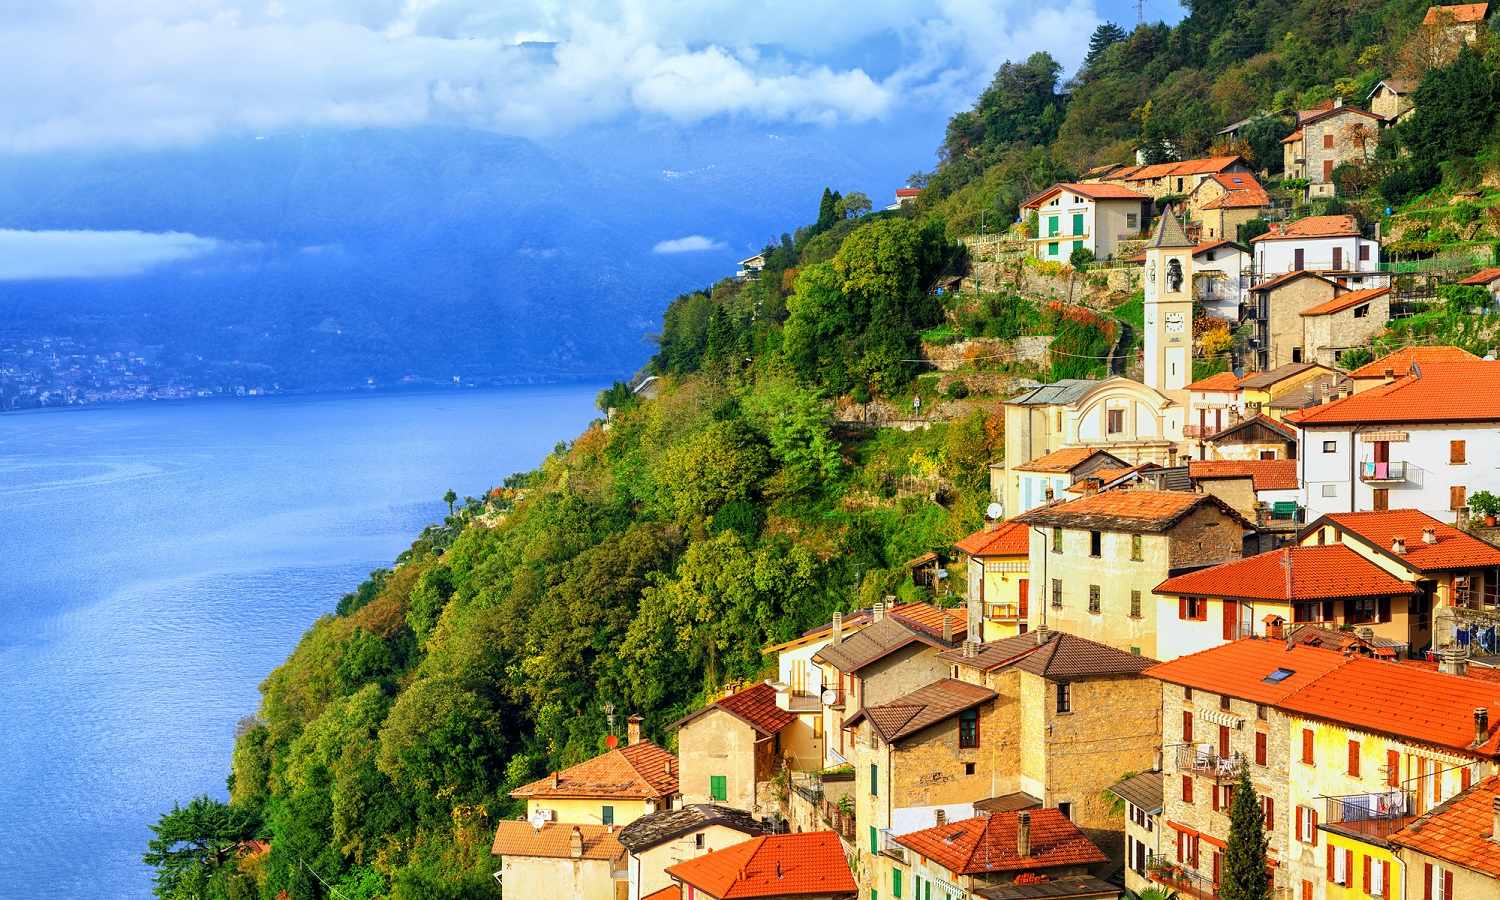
x,y
160,560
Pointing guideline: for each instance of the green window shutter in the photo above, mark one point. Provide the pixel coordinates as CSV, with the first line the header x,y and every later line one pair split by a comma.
x,y
1052,249
1078,223
1051,225
1078,245
874,780
895,882
608,815
718,790
874,840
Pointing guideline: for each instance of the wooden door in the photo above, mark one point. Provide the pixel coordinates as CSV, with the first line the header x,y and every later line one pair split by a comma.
x,y
1231,620
1382,499
1025,592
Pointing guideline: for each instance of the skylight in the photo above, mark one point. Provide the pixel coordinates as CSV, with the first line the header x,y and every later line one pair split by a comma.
x,y
1279,676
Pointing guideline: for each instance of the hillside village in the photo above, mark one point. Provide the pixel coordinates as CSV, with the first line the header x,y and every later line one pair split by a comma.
x,y
1250,548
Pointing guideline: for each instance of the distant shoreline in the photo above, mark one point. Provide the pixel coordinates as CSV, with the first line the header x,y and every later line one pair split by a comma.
x,y
328,393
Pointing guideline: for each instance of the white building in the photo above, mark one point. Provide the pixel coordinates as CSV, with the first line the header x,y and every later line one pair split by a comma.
x,y
1426,441
1220,281
1093,217
1329,245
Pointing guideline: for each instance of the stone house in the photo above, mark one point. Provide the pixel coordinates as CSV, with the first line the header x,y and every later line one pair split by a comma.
x,y
1326,140
614,788
897,650
663,839
1391,98
1257,437
1460,22
1142,796
1351,319
732,748
1097,558
1276,315
1224,201
1075,715
1250,486
1220,712
578,861
997,575
809,865
1077,216
1452,851
922,759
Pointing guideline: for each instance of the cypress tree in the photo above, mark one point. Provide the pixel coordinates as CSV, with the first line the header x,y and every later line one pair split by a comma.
x,y
1243,876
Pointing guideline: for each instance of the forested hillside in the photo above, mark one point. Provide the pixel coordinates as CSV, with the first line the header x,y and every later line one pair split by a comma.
x,y
645,563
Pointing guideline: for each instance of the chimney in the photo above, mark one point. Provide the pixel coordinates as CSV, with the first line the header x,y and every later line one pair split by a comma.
x,y
669,768
633,730
1390,374
970,649
575,843
991,525
556,781
1274,628
1050,494
1453,661
878,614
947,627
838,626
974,627
1023,833
940,817
1042,635
1429,535
1495,819
1481,725
1398,545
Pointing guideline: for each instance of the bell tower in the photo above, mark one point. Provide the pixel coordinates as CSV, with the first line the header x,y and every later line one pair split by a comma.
x,y
1169,308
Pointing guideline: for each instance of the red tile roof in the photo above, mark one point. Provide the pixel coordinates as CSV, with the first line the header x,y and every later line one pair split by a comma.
x,y
1264,474
1219,381
1291,573
1293,137
1203,166
1454,549
922,708
757,707
988,844
1460,831
1064,460
1451,392
1458,14
1240,669
1403,701
1400,361
1007,539
1134,510
1345,301
672,892
1242,192
774,865
1312,227
1287,277
1483,276
908,192
928,618
642,771
1205,246
1091,190
554,840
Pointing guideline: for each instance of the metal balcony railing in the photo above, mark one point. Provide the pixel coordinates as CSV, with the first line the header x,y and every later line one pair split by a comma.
x,y
889,847
1382,472
1186,881
1202,759
1379,812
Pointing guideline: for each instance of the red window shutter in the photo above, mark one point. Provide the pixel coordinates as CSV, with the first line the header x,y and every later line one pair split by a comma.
x,y
1179,852
1392,768
1307,890
1385,878
1354,758
1330,862
1216,866
1260,748
1270,813
1464,778
1182,608
1312,815
1187,727
1367,874
1224,741
1231,619
1426,881
1216,798
1447,885
1187,789
1307,746
1299,823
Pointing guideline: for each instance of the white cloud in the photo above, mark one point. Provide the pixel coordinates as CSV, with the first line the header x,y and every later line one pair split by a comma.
x,y
101,73
37,255
693,243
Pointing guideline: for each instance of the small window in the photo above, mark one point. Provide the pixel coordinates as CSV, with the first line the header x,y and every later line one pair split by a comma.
x,y
699,841
1187,693
1458,452
1135,548
1132,220
1135,604
1458,497
1094,599
1052,249
1354,759
1307,747
1066,809
1115,421
1096,544
1187,789
1329,490
968,728
1064,698
874,780
1330,447
607,815
1364,251
1224,702
1296,354
1327,140
1057,593
1362,311
718,789
1056,539
968,768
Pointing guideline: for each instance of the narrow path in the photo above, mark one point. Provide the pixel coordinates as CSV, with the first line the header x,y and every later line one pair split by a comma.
x,y
1117,354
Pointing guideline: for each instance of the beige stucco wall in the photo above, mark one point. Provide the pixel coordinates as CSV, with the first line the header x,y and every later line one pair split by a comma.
x,y
717,743
531,876
1466,882
1116,574
590,811
647,868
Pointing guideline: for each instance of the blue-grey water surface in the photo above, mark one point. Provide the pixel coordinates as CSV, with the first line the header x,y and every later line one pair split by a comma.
x,y
159,561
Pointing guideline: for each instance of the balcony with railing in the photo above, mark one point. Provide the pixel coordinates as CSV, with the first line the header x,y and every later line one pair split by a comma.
x,y
1202,759
1382,472
1005,612
1369,815
1187,882
889,847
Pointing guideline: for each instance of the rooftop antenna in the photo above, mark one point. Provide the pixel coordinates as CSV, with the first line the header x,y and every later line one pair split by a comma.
x,y
1140,12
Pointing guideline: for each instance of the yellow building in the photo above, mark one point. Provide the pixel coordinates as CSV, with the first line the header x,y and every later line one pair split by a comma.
x,y
1451,852
614,788
582,862
1259,391
1096,559
998,576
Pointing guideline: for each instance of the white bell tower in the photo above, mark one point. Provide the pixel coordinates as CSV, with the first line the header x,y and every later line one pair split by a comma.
x,y
1169,308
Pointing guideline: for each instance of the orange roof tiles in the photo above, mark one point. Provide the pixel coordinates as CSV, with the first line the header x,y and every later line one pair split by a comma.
x,y
1312,227
988,844
672,892
1091,190
1293,137
1264,474
641,771
1135,510
1219,381
553,840
1202,166
928,618
1400,361
1007,539
1454,549
1242,192
922,708
774,865
1291,573
1459,831
1483,276
1403,701
1064,460
756,706
1452,392
1458,14
1345,301
1239,669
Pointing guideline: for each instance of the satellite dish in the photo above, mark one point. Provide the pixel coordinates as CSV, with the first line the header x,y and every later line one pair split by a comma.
x,y
830,697
994,510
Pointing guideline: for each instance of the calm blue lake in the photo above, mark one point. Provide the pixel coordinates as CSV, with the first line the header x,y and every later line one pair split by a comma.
x,y
160,560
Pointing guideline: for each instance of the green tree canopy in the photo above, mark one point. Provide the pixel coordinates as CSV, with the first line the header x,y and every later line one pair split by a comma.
x,y
193,844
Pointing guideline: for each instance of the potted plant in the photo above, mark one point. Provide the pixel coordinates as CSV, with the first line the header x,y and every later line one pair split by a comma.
x,y
1486,504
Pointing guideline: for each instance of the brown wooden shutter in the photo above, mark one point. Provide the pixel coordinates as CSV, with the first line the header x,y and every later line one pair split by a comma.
x,y
1458,497
1457,450
1299,824
1187,727
1385,878
1392,768
1426,881
1367,873
1182,608
1312,814
1260,748
1447,885
1354,758
1231,620
1330,863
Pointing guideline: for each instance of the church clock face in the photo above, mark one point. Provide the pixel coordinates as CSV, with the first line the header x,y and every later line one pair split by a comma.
x,y
1174,323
